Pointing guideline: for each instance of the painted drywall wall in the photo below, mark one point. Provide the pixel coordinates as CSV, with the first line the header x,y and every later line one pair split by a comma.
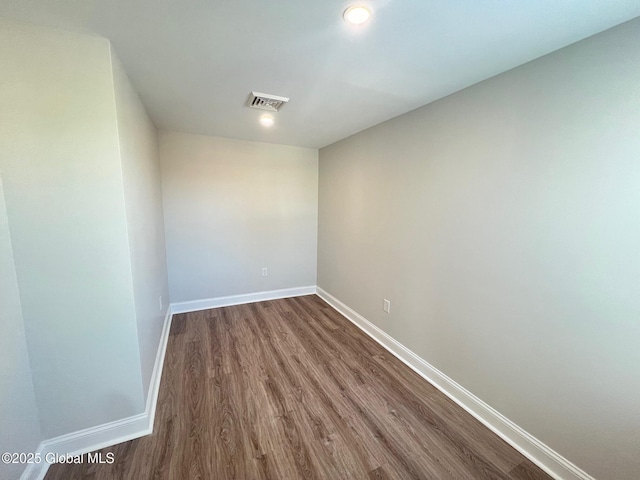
x,y
19,424
64,197
145,221
503,224
233,207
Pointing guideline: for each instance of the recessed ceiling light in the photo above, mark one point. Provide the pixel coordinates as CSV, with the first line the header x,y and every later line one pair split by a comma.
x,y
266,120
357,14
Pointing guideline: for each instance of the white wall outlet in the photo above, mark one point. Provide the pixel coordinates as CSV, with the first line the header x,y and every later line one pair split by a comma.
x,y
265,272
160,302
386,306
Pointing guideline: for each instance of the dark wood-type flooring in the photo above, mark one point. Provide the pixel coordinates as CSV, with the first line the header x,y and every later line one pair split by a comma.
x,y
290,389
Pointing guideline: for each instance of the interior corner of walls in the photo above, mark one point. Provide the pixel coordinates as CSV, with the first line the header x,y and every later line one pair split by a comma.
x,y
112,54
535,450
111,433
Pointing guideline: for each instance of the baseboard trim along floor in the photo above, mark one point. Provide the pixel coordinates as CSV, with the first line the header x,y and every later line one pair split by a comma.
x,y
119,431
108,434
547,459
113,433
207,303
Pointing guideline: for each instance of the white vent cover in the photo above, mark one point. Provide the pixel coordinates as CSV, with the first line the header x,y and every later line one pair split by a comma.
x,y
264,101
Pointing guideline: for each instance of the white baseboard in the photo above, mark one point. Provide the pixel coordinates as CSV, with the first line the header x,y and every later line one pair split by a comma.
x,y
207,303
547,459
113,433
156,375
108,434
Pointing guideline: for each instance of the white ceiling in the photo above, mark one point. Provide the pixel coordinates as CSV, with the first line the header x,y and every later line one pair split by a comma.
x,y
194,62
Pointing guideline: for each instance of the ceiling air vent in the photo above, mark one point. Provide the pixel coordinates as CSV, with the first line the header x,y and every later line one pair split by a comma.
x,y
264,101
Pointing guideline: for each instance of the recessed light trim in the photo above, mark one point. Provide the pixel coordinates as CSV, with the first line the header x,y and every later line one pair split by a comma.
x,y
266,120
357,15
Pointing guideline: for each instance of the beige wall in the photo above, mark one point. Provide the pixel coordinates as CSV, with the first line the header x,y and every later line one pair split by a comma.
x,y
503,224
62,174
233,207
140,160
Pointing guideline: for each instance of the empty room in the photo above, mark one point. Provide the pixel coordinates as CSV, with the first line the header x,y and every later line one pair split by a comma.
x,y
252,240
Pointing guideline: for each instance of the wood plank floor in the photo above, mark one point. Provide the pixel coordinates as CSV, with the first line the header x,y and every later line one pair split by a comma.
x,y
290,389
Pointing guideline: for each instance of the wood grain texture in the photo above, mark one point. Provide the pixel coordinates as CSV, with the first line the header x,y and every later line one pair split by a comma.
x,y
290,389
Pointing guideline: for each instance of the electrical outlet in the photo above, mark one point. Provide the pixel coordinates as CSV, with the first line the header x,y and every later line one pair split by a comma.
x,y
386,306
160,302
265,272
